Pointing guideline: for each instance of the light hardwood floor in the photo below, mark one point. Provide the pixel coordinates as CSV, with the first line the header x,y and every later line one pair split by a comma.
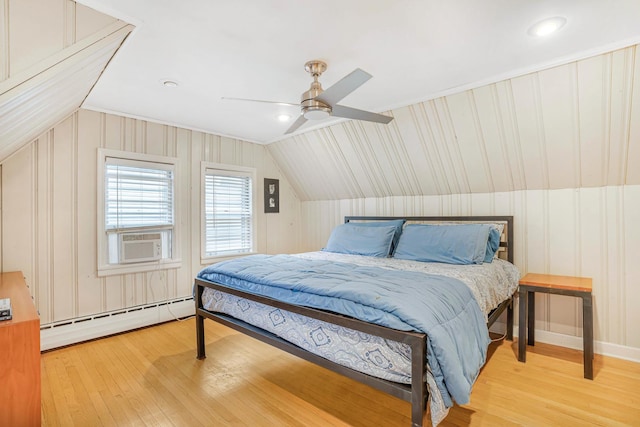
x,y
150,377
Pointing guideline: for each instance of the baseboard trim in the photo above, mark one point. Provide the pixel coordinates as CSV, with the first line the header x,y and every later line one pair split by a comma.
x,y
569,341
87,328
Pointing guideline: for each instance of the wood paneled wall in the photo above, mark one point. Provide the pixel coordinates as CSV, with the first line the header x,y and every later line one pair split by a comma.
x,y
593,232
556,148
49,212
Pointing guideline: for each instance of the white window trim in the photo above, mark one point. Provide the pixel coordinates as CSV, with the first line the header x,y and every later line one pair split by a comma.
x,y
204,166
106,269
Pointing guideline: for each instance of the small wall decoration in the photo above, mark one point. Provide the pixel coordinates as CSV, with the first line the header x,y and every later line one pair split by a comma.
x,y
271,195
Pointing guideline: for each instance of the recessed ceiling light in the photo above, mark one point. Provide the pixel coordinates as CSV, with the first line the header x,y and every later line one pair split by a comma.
x,y
170,83
284,117
547,26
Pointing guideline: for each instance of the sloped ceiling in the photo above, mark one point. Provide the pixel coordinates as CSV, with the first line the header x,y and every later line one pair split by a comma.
x,y
575,125
479,106
33,101
569,126
416,50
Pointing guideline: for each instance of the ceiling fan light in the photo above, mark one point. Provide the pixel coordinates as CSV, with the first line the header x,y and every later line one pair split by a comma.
x,y
547,26
317,113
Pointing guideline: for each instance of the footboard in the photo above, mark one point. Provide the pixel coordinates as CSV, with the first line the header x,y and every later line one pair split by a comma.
x,y
416,393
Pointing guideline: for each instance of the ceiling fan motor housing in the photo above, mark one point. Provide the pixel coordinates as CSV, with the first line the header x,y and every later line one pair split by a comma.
x,y
312,109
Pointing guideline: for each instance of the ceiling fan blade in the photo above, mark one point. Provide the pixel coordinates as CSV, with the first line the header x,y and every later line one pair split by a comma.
x,y
288,104
301,120
344,87
354,113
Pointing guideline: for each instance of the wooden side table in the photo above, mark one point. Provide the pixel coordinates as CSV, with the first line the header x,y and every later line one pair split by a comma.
x,y
561,285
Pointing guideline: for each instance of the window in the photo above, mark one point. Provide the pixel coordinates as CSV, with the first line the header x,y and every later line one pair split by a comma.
x,y
228,210
136,211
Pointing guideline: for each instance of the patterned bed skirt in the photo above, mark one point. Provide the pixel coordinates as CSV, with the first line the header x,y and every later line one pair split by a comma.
x,y
369,354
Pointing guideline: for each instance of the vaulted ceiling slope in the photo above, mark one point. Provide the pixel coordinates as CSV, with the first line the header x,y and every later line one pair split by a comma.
x,y
570,126
45,79
416,50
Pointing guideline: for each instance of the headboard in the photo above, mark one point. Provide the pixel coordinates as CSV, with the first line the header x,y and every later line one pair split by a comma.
x,y
506,240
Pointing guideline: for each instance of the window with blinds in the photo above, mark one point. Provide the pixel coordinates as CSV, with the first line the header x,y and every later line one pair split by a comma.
x,y
138,210
137,195
228,212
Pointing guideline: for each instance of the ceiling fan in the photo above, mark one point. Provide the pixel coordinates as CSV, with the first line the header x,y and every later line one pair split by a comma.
x,y
318,104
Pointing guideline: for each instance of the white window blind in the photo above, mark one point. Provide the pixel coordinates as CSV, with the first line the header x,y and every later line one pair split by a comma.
x,y
138,195
228,216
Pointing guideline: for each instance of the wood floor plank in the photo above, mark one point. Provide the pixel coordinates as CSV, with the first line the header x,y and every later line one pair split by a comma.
x,y
151,377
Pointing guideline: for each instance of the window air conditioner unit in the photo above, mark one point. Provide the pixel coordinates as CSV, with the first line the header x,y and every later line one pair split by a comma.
x,y
140,247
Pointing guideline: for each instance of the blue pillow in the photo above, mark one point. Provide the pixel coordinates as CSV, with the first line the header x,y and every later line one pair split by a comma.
x,y
397,223
355,240
451,244
492,244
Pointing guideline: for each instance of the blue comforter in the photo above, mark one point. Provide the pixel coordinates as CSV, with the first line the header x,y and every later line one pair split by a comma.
x,y
444,308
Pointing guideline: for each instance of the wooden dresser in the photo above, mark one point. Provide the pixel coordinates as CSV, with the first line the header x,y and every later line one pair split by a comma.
x,y
19,355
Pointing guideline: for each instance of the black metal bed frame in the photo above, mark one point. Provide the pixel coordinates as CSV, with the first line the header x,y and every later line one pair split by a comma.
x,y
416,392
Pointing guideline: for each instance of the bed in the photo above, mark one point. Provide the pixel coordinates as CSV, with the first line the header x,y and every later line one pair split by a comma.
x,y
387,351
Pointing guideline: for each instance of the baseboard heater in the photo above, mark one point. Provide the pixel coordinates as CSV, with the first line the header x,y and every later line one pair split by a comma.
x,y
73,331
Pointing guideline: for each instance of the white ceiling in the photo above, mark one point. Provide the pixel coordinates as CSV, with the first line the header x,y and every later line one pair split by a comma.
x,y
415,49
